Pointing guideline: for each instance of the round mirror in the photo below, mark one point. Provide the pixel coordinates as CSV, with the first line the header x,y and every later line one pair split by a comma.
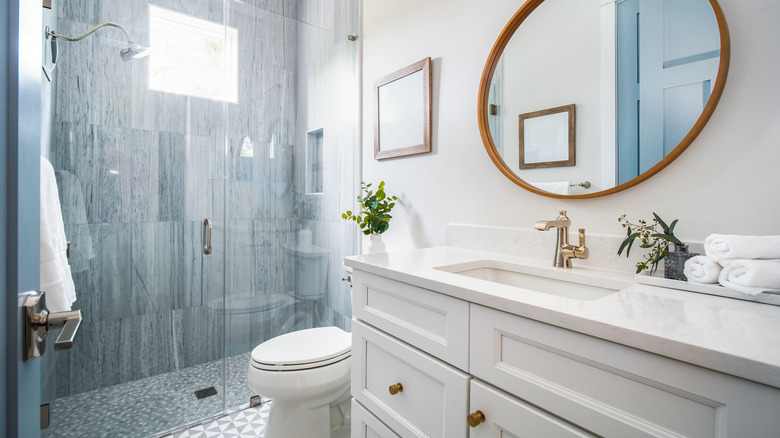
x,y
588,98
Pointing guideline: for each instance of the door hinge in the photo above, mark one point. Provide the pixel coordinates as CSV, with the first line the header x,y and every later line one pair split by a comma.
x,y
45,412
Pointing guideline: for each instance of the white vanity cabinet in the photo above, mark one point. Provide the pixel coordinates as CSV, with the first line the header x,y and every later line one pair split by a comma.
x,y
523,378
416,341
612,390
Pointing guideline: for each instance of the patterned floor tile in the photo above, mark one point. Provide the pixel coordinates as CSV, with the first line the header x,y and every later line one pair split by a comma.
x,y
249,423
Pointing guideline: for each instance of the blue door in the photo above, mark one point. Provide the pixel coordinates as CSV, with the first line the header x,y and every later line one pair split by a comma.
x,y
20,74
668,55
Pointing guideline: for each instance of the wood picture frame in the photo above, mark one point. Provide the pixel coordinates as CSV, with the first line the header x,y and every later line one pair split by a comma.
x,y
402,125
547,138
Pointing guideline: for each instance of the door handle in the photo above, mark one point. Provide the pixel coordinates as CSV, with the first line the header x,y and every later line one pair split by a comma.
x,y
38,322
207,236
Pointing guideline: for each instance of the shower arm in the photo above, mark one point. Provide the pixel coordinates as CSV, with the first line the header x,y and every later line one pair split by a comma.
x,y
90,32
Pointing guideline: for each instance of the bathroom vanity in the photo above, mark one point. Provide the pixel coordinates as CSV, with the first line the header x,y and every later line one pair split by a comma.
x,y
451,343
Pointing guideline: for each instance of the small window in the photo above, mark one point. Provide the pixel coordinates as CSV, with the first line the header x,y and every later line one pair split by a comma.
x,y
192,57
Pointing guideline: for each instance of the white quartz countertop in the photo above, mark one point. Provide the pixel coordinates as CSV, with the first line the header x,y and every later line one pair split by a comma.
x,y
732,336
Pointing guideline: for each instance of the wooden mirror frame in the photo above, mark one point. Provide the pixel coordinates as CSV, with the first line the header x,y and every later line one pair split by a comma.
x,y
495,55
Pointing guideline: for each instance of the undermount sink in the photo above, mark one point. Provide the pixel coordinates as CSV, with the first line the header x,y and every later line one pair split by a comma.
x,y
569,283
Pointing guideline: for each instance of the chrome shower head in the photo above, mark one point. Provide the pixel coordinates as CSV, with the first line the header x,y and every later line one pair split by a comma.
x,y
132,51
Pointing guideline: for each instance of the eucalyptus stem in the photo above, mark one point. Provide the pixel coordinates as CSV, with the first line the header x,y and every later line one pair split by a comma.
x,y
374,215
656,236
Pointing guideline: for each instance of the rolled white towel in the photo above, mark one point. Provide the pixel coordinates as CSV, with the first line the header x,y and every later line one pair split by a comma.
x,y
702,269
721,246
751,276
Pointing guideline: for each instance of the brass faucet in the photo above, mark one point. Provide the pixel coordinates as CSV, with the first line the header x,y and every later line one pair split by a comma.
x,y
564,251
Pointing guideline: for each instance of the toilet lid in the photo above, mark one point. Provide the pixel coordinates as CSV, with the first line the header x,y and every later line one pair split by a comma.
x,y
303,349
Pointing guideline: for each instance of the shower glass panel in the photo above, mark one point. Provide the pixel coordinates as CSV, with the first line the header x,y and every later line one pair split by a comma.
x,y
213,124
285,246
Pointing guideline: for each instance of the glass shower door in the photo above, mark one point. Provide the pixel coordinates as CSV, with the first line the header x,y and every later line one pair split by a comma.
x,y
290,172
245,114
138,148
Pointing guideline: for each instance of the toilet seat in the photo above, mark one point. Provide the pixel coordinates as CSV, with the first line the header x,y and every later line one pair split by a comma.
x,y
303,350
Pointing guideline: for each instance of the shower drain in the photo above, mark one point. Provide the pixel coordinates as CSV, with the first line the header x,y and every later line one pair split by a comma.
x,y
206,392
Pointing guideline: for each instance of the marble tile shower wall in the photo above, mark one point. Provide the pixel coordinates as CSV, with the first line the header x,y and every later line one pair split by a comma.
x,y
139,170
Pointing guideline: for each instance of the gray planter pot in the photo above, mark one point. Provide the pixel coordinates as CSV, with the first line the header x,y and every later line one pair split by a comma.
x,y
674,263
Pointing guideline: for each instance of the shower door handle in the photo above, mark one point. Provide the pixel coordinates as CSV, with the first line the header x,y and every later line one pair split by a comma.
x,y
207,236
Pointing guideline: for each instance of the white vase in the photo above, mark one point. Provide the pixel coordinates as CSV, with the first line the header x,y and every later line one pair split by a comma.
x,y
375,244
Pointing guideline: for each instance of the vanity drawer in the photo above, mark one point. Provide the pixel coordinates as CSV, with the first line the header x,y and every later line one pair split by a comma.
x,y
505,415
365,425
430,321
433,399
614,390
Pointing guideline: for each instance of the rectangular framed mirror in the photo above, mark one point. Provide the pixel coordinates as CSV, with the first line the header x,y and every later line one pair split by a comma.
x,y
403,112
547,138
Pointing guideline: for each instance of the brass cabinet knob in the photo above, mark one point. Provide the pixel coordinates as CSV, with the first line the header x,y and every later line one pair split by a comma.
x,y
476,418
395,389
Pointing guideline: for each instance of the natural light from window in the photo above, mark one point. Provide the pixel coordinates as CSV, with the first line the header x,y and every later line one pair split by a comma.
x,y
191,56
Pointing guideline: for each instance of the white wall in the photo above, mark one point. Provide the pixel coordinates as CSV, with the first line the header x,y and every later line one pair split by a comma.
x,y
726,182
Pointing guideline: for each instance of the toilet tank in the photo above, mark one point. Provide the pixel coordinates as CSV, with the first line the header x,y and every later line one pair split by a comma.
x,y
311,271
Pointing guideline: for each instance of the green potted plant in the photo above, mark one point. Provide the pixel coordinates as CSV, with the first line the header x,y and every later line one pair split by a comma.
x,y
374,215
657,237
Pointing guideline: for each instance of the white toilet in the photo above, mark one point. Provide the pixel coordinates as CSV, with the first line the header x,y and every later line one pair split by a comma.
x,y
306,375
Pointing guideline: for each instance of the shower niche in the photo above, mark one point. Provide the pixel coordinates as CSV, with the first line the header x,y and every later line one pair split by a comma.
x,y
314,162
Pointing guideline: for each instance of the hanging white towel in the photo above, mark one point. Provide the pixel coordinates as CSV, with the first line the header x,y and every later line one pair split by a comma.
x,y
74,214
720,246
559,187
55,277
751,276
702,269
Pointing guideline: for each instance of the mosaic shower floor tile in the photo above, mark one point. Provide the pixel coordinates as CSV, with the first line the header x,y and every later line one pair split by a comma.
x,y
151,406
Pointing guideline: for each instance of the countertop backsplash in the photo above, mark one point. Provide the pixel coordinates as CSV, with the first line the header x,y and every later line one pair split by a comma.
x,y
528,242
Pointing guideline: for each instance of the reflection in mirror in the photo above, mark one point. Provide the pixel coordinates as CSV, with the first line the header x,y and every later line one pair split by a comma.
x,y
667,61
547,138
644,74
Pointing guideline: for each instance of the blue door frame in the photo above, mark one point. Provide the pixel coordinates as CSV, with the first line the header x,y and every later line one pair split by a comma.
x,y
20,119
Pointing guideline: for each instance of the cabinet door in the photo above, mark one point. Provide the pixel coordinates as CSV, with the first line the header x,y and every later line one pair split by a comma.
x,y
434,323
613,390
428,399
365,425
506,416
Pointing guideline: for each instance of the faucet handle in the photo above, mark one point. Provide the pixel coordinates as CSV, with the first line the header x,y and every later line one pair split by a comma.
x,y
562,214
582,250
